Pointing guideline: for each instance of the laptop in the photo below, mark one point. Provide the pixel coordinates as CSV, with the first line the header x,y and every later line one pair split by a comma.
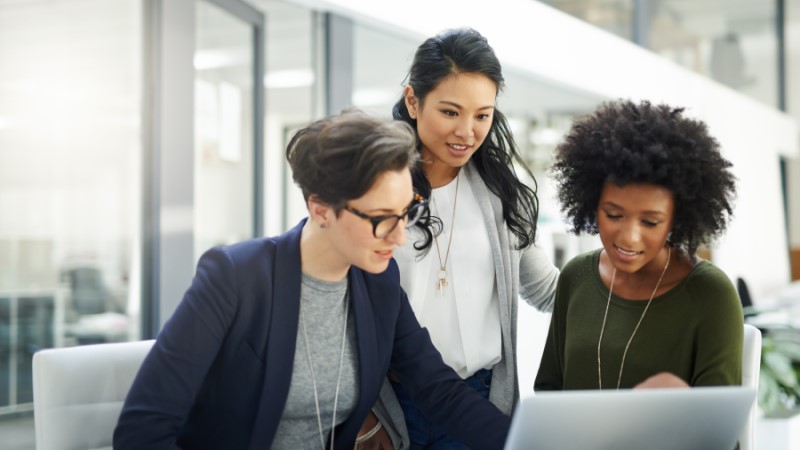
x,y
703,418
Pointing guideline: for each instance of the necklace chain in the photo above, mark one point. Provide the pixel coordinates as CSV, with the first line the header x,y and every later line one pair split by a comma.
x,y
441,275
605,316
338,378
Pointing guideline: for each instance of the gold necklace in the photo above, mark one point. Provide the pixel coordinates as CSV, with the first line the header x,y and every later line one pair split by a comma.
x,y
441,276
605,316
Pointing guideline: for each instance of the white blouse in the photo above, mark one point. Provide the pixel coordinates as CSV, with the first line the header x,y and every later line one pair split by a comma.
x,y
463,318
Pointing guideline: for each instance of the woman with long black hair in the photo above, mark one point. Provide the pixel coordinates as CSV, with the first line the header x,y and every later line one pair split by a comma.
x,y
465,270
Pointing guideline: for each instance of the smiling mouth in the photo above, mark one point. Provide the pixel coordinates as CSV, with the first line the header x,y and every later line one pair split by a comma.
x,y
458,147
627,252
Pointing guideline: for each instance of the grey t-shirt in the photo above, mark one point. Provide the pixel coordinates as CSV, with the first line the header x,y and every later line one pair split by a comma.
x,y
323,309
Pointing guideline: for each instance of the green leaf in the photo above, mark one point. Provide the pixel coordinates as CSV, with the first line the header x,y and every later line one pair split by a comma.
x,y
769,396
782,369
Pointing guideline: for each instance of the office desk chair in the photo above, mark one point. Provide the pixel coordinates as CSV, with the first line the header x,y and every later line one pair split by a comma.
x,y
751,368
78,393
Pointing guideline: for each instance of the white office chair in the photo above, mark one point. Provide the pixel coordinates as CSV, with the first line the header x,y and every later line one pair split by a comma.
x,y
751,367
78,393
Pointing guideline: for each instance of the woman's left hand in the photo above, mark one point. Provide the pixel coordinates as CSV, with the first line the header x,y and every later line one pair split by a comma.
x,y
378,441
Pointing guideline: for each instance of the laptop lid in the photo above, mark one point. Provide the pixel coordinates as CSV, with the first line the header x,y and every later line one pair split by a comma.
x,y
706,418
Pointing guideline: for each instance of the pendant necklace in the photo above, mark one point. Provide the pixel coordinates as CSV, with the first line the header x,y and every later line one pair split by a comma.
x,y
441,275
635,329
338,378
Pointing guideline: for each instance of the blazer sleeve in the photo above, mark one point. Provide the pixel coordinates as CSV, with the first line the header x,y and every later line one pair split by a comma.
x,y
439,392
538,278
171,375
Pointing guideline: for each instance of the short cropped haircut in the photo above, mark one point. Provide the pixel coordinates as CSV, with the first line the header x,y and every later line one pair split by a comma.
x,y
338,158
624,142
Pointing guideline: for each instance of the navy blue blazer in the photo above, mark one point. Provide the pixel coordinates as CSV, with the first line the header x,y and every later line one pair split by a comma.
x,y
218,375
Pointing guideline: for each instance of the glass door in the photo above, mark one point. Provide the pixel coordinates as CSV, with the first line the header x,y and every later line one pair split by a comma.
x,y
228,113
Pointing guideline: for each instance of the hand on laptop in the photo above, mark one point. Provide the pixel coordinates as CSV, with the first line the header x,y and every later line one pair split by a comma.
x,y
662,380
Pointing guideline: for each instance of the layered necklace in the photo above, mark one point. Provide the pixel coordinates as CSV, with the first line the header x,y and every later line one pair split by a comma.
x,y
441,275
338,378
605,316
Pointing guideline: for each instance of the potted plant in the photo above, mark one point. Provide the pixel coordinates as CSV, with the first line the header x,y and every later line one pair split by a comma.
x,y
779,388
779,380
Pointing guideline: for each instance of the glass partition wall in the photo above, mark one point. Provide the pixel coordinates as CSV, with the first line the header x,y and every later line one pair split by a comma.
x,y
223,128
70,181
74,154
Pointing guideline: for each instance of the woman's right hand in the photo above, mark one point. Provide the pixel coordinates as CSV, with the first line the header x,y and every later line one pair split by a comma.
x,y
378,441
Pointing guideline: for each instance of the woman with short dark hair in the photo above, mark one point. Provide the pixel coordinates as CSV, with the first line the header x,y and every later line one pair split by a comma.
x,y
285,342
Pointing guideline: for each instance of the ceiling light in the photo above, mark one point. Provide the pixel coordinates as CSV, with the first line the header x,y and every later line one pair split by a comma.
x,y
288,79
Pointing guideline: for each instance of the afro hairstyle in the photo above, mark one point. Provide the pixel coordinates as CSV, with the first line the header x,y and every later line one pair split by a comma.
x,y
624,142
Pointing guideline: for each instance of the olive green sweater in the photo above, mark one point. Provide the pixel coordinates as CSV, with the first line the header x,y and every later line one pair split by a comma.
x,y
695,331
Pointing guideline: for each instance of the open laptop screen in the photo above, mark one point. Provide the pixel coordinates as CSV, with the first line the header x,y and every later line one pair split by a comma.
x,y
706,418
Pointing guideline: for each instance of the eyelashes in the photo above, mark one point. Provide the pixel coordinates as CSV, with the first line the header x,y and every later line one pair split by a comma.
x,y
647,223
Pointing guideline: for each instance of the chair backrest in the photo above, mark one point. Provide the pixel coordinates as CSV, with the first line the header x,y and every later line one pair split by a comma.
x,y
744,293
751,367
78,393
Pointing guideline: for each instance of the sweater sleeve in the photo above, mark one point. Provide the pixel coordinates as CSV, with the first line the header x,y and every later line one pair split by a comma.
x,y
720,333
551,368
538,278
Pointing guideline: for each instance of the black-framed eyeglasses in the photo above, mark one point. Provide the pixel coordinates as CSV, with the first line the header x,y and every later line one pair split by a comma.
x,y
383,225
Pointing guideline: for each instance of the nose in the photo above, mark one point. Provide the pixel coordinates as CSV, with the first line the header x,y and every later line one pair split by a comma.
x,y
465,128
631,233
398,235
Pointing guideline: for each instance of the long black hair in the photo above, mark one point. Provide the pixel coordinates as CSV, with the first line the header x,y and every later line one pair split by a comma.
x,y
464,50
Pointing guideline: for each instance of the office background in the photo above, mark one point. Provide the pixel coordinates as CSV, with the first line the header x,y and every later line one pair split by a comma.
x,y
134,134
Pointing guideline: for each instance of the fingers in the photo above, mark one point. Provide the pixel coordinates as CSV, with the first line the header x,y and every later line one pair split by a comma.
x,y
662,380
380,440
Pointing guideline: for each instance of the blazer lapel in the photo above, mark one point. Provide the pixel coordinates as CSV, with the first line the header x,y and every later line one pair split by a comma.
x,y
366,336
368,362
282,337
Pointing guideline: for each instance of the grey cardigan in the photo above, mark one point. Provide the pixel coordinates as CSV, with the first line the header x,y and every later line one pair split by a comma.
x,y
526,273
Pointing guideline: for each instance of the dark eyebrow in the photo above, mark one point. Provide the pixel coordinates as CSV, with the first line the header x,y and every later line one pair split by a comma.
x,y
387,211
457,106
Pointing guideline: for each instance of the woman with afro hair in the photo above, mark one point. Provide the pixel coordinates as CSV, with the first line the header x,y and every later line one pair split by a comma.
x,y
643,310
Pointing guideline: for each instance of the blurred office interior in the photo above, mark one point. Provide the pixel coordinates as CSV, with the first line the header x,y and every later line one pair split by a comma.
x,y
135,134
